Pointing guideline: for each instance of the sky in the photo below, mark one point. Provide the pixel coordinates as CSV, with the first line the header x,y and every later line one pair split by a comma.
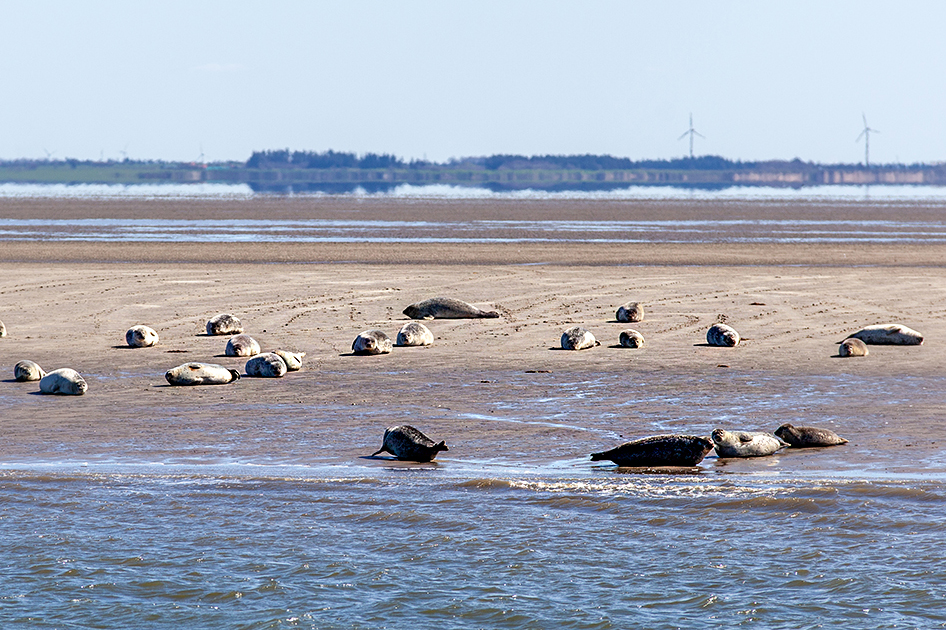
x,y
439,80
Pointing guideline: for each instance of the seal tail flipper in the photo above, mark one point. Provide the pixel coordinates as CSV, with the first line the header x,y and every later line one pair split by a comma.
x,y
383,449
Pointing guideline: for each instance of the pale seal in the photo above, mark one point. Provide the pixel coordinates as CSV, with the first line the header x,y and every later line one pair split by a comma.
x,y
201,374
631,339
446,308
242,346
268,365
372,342
293,360
853,347
141,336
414,334
630,312
64,381
722,335
3,330
224,324
407,443
889,334
28,371
577,338
808,437
659,450
745,443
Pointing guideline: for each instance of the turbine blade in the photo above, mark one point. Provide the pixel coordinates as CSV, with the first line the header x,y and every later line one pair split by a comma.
x,y
685,134
699,134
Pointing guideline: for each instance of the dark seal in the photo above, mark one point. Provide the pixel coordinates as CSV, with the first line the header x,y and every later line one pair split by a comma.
x,y
659,450
446,308
408,444
808,437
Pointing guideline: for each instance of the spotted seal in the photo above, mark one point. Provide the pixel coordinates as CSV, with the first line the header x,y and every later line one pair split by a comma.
x,y
28,371
722,335
659,450
577,338
267,365
201,374
224,324
446,308
407,443
141,336
293,360
853,347
631,339
372,342
414,334
64,381
242,346
808,437
745,443
630,312
889,335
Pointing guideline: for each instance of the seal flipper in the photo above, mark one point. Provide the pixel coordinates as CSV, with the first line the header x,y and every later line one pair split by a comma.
x,y
383,449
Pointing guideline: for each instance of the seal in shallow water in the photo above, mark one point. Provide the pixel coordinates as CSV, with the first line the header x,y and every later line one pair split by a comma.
x,y
293,360
407,443
853,347
64,381
630,312
372,342
889,334
659,450
745,443
242,346
267,365
631,339
414,334
224,324
446,308
141,336
577,338
28,371
722,335
808,437
201,374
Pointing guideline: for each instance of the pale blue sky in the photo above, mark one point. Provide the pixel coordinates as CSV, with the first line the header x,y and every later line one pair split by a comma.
x,y
763,80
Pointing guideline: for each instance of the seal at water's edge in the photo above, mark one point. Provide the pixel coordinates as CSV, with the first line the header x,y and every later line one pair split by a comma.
x,y
28,371
408,444
372,342
293,360
64,381
577,338
658,450
745,443
722,335
446,308
631,339
224,324
141,336
853,347
242,346
630,312
414,334
201,374
268,365
889,335
808,437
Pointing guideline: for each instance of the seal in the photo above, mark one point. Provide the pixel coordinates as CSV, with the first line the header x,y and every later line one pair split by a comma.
x,y
64,381
745,443
242,346
224,324
414,334
293,360
659,450
372,342
446,308
630,312
28,371
853,347
201,374
577,338
889,335
408,444
141,336
808,437
631,339
722,335
267,365
3,330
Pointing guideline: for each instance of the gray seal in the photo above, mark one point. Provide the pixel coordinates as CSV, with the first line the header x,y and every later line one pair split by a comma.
x,y
414,334
889,335
745,443
293,360
630,312
722,335
268,365
372,342
201,374
577,338
446,308
631,339
141,336
659,450
242,346
808,437
853,347
224,324
64,381
407,443
28,371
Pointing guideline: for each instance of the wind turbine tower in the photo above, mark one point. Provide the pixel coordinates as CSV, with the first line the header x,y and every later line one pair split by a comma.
x,y
866,134
691,132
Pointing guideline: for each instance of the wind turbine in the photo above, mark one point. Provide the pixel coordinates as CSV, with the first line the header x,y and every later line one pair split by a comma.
x,y
866,134
49,154
691,132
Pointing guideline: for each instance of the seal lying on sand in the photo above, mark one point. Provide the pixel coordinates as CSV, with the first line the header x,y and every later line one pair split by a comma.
x,y
722,335
414,334
745,444
224,324
201,374
631,339
853,347
3,330
407,443
889,334
808,437
659,450
372,342
64,381
268,365
630,312
445,308
578,338
293,360
28,371
242,346
141,336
